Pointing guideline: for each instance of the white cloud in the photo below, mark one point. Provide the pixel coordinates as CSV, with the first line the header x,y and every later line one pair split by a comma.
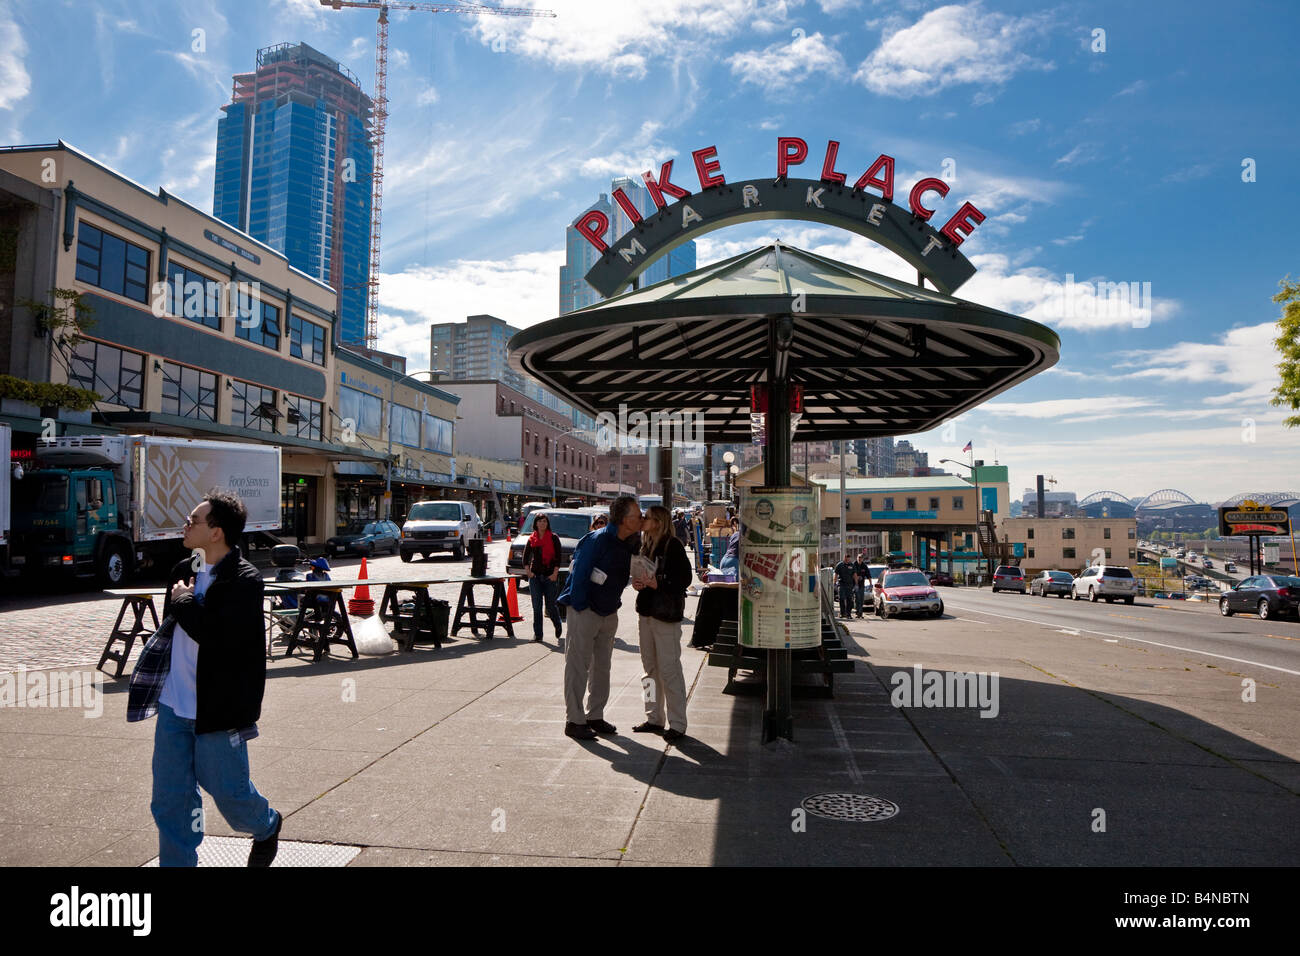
x,y
398,57
303,10
15,83
190,158
598,36
1067,240
782,65
202,69
770,124
1137,86
949,46
359,46
1189,173
1243,358
522,290
1025,126
832,7
1110,406
1083,153
427,96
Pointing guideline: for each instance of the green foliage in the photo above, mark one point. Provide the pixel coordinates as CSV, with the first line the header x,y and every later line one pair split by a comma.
x,y
66,319
1288,344
43,394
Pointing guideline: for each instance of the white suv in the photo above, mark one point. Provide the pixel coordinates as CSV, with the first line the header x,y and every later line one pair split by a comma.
x,y
439,526
1111,582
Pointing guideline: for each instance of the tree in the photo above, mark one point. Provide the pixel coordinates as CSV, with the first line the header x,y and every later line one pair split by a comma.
x,y
1288,344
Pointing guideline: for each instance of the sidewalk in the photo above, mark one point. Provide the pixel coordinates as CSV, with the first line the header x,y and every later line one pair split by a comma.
x,y
457,756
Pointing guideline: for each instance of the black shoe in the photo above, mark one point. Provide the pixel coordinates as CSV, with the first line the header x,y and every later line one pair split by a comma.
x,y
579,732
648,728
538,638
602,726
263,851
672,736
559,632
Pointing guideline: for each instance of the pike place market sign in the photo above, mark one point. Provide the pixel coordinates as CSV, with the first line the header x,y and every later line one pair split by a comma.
x,y
830,199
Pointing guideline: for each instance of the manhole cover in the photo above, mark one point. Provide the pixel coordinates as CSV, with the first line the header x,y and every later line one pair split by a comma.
x,y
233,851
858,807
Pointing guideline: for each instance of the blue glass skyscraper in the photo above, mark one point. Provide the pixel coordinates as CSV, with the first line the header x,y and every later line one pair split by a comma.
x,y
294,167
580,255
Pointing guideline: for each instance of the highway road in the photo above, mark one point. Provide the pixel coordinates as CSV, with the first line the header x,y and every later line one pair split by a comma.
x,y
1196,628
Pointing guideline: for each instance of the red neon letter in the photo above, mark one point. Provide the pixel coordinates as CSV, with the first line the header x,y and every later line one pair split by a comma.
x,y
885,185
829,175
786,156
625,204
662,185
925,186
593,226
706,165
965,221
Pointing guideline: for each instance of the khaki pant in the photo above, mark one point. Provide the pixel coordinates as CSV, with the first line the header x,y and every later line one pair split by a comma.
x,y
663,684
587,653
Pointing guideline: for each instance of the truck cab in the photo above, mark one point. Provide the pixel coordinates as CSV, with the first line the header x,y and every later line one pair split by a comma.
x,y
70,519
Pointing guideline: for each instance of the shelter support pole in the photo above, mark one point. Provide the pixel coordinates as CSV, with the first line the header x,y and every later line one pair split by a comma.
x,y
666,475
778,721
708,473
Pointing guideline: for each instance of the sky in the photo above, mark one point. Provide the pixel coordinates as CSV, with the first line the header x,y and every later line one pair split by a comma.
x,y
1150,144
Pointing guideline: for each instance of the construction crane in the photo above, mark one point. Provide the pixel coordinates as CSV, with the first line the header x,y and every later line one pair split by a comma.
x,y
381,119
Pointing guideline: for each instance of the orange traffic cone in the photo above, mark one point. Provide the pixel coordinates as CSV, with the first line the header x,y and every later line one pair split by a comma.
x,y
489,534
512,604
361,603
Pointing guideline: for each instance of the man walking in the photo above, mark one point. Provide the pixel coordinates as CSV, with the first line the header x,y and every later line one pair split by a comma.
x,y
861,573
203,673
844,575
598,575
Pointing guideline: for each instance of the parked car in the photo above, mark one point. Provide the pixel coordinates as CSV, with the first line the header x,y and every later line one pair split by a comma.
x,y
439,526
1268,595
570,524
1008,578
1230,567
1052,582
1111,582
365,537
906,592
942,579
1198,582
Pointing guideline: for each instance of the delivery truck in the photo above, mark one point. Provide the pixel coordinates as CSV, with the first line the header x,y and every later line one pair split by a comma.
x,y
109,505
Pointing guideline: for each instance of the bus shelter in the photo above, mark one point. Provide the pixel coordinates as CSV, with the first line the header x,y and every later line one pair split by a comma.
x,y
857,353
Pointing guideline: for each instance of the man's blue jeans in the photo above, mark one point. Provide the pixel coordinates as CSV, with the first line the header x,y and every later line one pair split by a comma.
x,y
183,761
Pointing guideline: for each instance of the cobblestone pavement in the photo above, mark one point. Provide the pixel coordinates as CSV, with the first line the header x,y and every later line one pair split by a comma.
x,y
59,626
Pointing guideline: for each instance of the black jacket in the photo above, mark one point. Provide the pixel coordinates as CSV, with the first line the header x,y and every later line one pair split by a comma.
x,y
533,557
230,630
673,572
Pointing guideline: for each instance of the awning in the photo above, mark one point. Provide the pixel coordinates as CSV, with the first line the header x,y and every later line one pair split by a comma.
x,y
164,424
874,355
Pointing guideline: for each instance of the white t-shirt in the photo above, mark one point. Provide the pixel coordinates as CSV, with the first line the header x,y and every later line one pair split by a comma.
x,y
180,692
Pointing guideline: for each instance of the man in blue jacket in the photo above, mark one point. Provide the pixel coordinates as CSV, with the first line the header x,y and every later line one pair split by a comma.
x,y
598,576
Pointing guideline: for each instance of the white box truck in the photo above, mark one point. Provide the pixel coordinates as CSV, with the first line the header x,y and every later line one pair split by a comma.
x,y
109,504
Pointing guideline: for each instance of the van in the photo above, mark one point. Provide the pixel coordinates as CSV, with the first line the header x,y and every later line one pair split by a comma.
x,y
439,526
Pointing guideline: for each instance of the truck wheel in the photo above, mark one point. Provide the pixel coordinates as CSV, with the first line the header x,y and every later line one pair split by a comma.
x,y
114,565
406,557
458,552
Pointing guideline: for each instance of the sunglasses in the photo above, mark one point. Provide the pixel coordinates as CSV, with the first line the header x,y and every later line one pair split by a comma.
x,y
189,521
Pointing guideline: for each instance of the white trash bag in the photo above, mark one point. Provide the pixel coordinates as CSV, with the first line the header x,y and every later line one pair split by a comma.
x,y
371,636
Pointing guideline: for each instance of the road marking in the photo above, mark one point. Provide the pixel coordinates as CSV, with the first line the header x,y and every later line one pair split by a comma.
x,y
1139,640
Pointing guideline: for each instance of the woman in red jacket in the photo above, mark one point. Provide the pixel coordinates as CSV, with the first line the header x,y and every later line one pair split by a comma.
x,y
542,568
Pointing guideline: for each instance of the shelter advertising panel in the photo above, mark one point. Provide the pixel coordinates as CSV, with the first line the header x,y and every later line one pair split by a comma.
x,y
780,607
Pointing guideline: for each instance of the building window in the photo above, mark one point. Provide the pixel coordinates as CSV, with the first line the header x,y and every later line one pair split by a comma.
x,y
112,264
188,392
889,504
866,504
113,373
192,295
1105,533
247,400
405,425
306,340
1132,553
934,504
1030,552
1108,553
308,415
958,503
437,434
265,330
911,504
1029,534
365,411
1133,533
1067,552
1067,534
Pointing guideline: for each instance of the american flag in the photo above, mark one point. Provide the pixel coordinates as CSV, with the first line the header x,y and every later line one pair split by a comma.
x,y
968,447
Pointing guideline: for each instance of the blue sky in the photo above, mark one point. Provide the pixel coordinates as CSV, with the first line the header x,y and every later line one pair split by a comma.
x,y
1115,164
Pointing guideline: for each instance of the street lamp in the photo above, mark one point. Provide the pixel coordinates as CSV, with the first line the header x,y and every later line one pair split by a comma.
x,y
555,453
728,457
735,470
978,504
388,461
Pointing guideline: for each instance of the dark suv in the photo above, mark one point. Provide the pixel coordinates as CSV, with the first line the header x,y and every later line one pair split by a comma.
x,y
1008,578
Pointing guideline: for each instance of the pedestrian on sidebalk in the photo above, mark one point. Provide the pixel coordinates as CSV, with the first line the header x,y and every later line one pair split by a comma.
x,y
598,575
845,575
203,672
661,604
542,568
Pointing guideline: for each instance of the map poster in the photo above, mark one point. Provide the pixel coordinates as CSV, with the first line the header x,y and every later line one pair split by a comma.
x,y
780,533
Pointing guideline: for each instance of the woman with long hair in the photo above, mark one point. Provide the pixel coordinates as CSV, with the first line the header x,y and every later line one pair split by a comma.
x,y
660,606
542,568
